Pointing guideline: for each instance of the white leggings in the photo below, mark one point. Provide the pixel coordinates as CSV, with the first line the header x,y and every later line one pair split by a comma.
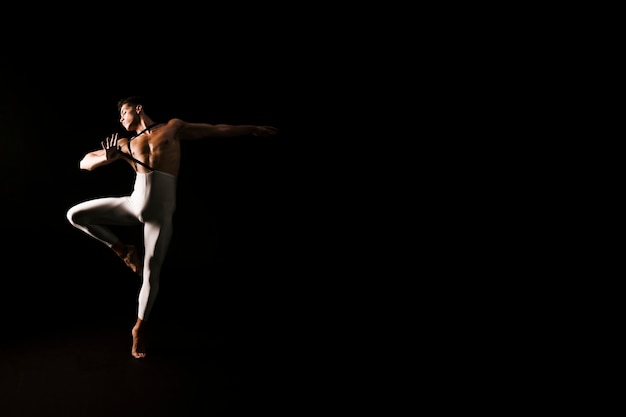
x,y
151,204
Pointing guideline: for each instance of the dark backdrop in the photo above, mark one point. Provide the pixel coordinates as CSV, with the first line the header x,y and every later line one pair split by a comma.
x,y
254,260
234,248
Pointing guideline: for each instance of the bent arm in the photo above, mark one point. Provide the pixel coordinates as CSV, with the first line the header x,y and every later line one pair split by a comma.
x,y
110,152
94,159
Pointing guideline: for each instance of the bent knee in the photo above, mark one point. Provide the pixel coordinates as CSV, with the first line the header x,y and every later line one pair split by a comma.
x,y
73,216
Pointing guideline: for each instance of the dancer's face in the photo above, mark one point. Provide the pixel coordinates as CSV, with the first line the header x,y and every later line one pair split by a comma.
x,y
129,116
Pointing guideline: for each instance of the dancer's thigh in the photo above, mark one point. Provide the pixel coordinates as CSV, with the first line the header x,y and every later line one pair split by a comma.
x,y
106,210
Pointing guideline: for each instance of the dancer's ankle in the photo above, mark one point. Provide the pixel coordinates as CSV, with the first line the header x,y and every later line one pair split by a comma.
x,y
120,249
130,255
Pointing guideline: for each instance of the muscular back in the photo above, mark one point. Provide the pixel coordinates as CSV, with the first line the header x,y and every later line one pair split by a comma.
x,y
159,148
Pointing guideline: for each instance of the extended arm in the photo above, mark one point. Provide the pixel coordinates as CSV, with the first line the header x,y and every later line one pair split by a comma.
x,y
194,131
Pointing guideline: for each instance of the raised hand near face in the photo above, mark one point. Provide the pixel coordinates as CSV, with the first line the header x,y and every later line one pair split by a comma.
x,y
111,147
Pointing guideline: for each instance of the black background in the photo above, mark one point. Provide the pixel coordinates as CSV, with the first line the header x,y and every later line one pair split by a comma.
x,y
247,212
236,203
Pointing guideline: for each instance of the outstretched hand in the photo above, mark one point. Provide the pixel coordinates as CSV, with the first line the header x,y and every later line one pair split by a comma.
x,y
111,147
264,131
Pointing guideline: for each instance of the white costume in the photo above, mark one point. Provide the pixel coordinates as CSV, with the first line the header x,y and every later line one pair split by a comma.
x,y
152,204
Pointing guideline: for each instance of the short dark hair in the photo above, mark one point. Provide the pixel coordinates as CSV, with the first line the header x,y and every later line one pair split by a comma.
x,y
131,101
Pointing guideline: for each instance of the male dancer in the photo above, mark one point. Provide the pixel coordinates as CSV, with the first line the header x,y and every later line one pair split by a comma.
x,y
154,153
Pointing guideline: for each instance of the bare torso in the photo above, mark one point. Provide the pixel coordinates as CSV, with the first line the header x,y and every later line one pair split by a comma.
x,y
159,148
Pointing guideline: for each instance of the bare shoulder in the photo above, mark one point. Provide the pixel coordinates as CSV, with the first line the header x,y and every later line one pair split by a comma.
x,y
191,131
175,123
173,128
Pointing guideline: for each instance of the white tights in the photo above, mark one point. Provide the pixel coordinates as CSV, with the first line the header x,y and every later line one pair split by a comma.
x,y
151,204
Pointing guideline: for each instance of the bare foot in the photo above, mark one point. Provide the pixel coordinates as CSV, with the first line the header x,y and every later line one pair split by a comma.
x,y
139,348
132,260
